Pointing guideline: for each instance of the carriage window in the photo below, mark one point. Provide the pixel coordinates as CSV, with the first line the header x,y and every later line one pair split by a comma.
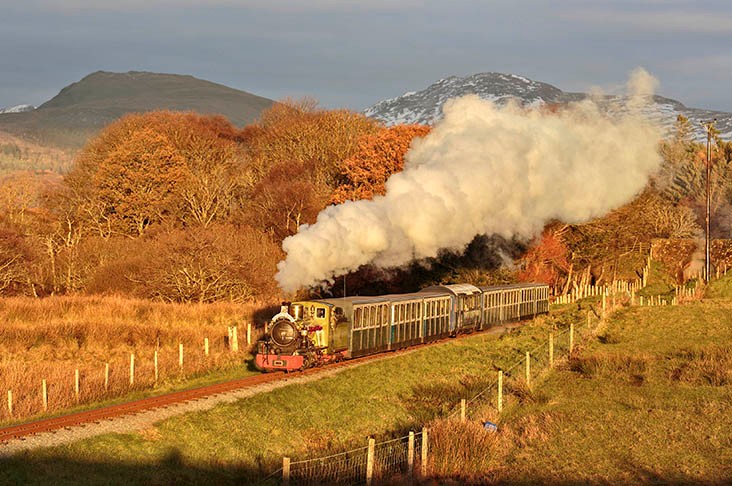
x,y
357,320
320,313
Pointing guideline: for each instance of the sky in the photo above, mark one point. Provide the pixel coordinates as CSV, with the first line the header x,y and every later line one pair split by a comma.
x,y
354,53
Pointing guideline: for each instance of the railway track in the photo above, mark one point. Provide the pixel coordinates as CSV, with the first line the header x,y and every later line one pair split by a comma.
x,y
52,424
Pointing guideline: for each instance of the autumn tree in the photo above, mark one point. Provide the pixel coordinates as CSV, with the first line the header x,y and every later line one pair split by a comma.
x,y
379,155
218,262
547,259
301,133
683,176
611,246
286,197
161,166
15,259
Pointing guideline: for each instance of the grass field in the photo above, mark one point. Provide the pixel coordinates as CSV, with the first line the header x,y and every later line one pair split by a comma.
x,y
48,339
647,398
241,441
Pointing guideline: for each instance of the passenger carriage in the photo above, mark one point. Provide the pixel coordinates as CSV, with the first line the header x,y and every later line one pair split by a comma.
x,y
465,306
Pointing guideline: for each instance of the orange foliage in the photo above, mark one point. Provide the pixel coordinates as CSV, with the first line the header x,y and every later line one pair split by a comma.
x,y
379,156
299,132
721,254
675,254
153,167
286,197
545,261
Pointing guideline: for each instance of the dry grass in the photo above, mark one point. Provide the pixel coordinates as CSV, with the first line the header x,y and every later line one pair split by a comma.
x,y
704,365
51,338
464,451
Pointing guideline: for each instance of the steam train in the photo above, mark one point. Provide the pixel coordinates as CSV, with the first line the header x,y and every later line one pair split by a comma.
x,y
312,333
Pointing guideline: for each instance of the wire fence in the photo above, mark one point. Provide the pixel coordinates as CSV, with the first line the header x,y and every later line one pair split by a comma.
x,y
392,460
36,389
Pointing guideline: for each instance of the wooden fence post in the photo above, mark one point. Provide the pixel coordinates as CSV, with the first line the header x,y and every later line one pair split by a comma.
x,y
370,462
10,402
551,350
180,356
500,391
462,410
44,391
205,346
106,377
132,369
571,337
235,335
231,338
528,369
155,365
249,334
286,471
76,384
604,305
425,445
410,457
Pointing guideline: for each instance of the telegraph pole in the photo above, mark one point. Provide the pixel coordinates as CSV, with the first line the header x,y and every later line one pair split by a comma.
x,y
707,254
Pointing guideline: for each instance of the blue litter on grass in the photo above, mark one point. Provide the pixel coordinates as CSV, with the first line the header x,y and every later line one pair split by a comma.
x,y
490,426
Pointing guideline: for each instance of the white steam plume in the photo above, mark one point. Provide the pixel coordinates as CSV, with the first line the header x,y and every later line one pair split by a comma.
x,y
482,170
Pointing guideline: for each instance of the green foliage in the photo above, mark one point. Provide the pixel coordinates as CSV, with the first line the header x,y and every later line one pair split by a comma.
x,y
720,288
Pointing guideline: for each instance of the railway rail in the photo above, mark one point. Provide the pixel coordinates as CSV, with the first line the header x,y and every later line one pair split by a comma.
x,y
110,412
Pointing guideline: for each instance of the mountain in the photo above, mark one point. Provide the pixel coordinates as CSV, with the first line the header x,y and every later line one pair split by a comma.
x,y
425,106
17,109
74,115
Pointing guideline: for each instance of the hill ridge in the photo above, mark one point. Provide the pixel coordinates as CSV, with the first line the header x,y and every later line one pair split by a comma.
x,y
81,108
425,106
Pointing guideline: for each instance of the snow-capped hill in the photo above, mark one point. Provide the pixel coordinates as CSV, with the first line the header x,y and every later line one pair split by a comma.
x,y
425,107
18,109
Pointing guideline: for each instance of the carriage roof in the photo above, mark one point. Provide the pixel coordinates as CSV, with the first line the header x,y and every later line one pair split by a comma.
x,y
530,285
454,289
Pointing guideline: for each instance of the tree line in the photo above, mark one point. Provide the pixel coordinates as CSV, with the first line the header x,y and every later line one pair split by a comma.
x,y
185,207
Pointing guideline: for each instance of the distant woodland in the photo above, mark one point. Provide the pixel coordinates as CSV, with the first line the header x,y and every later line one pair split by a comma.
x,y
183,207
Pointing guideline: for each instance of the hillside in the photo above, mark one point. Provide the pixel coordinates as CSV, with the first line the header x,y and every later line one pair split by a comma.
x,y
425,106
82,108
17,154
644,398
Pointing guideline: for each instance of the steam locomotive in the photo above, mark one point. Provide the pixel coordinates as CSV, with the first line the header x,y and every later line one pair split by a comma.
x,y
312,333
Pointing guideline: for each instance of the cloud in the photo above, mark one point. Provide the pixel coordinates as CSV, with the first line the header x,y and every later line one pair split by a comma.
x,y
669,21
282,6
718,66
